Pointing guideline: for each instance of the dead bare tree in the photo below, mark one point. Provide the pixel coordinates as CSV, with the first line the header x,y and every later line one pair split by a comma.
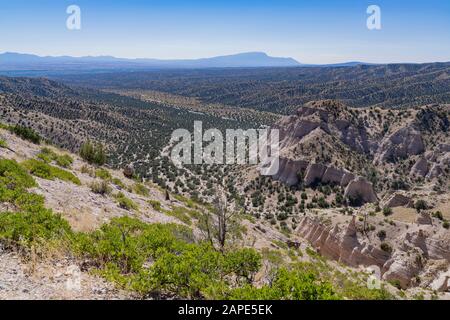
x,y
217,221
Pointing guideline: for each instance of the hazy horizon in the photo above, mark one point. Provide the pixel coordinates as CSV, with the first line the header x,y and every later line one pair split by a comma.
x,y
218,56
309,32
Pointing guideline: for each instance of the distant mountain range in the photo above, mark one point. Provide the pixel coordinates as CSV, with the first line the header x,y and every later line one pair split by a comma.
x,y
17,61
26,64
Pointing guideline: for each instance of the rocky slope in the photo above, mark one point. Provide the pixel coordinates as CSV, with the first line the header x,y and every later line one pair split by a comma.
x,y
419,253
51,275
326,142
392,159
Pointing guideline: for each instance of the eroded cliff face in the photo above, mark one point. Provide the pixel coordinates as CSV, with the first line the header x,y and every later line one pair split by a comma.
x,y
325,142
414,251
330,117
406,153
401,144
308,140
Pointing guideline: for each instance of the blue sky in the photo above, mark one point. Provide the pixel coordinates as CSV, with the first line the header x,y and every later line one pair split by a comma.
x,y
311,31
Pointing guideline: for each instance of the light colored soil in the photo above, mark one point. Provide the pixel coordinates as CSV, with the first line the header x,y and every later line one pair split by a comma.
x,y
408,215
56,280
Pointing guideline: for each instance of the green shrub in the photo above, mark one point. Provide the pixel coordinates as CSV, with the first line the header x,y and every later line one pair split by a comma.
x,y
103,174
438,215
446,224
289,285
386,247
94,153
64,161
125,244
179,213
140,189
396,283
421,205
46,155
381,234
26,134
3,144
155,204
45,171
125,203
193,273
244,263
387,211
118,183
24,228
14,176
322,203
100,187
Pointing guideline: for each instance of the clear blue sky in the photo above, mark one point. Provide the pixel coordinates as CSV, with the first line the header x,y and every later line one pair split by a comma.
x,y
311,31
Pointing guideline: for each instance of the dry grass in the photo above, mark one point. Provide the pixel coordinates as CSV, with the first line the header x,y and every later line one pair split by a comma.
x,y
444,207
408,215
82,221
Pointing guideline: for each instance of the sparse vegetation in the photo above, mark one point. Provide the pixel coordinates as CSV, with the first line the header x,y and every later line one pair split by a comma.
x,y
3,143
100,187
166,260
45,171
47,155
124,202
103,174
94,153
118,183
387,211
386,247
140,189
33,222
64,161
421,205
26,133
381,234
155,204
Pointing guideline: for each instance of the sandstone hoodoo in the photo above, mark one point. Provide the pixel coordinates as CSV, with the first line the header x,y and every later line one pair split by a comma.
x,y
328,143
360,191
314,174
401,144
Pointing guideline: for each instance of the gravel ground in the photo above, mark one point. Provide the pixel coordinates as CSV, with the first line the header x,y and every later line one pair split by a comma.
x,y
59,280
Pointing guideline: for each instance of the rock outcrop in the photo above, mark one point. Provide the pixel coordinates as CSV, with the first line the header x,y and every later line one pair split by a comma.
x,y
333,176
401,144
360,191
288,171
420,168
398,200
341,245
314,174
128,171
424,218
346,178
412,254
